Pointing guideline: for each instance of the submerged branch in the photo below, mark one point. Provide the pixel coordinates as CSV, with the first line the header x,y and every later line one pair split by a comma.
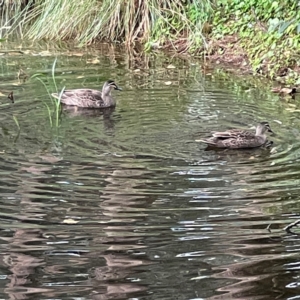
x,y
290,226
12,51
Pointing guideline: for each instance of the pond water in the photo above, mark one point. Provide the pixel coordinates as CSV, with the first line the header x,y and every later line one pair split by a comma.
x,y
124,204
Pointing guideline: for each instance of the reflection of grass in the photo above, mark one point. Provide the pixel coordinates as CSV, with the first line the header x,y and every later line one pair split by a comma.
x,y
53,109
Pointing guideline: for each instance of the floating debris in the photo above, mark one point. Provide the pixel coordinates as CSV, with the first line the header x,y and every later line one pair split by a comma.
x,y
285,91
11,97
22,75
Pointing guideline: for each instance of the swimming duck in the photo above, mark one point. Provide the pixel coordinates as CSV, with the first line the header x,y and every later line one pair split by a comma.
x,y
89,98
239,139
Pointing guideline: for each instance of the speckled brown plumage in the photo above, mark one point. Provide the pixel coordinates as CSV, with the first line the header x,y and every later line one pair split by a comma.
x,y
238,139
89,98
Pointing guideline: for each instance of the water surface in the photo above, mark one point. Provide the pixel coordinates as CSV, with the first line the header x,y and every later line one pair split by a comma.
x,y
123,203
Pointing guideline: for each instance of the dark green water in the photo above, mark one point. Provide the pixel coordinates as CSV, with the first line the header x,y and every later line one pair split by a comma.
x,y
124,204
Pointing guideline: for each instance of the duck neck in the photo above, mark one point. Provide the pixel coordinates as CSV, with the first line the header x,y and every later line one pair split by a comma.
x,y
259,131
108,99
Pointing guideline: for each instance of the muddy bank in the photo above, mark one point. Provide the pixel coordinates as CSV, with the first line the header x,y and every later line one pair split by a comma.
x,y
229,53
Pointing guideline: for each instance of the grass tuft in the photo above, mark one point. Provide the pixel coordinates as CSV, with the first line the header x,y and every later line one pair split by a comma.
x,y
152,21
55,109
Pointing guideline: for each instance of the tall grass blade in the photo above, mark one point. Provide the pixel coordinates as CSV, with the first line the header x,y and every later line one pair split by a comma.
x,y
46,104
53,73
17,122
58,103
115,20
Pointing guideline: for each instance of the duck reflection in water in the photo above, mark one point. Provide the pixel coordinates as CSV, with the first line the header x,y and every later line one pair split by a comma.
x,y
105,113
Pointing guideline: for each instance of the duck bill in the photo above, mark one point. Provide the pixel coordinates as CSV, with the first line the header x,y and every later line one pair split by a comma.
x,y
270,130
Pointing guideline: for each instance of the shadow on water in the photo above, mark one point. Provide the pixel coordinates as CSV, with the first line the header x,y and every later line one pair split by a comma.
x,y
124,204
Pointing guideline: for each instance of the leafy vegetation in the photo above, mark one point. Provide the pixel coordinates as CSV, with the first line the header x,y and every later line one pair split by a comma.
x,y
267,30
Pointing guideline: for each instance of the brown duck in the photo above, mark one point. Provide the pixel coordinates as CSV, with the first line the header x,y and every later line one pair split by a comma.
x,y
239,139
89,98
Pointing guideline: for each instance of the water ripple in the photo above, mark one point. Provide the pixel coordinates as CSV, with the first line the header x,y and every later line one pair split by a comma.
x,y
124,204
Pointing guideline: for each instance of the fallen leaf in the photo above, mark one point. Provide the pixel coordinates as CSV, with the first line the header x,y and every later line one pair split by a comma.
x,y
93,61
285,90
292,109
171,67
45,53
70,221
288,90
76,54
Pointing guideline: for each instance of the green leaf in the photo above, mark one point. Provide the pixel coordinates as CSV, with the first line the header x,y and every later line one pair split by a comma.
x,y
284,26
273,24
274,4
298,81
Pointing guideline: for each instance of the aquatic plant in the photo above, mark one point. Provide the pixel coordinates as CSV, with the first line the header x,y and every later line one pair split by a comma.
x,y
16,122
54,110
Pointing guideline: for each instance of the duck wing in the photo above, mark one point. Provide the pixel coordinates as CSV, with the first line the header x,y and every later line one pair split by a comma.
x,y
241,142
81,98
234,133
234,142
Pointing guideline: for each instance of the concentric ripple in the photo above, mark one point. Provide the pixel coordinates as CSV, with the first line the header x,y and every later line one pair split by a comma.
x,y
124,204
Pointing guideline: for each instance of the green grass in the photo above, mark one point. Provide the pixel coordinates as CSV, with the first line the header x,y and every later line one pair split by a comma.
x,y
16,122
268,30
54,109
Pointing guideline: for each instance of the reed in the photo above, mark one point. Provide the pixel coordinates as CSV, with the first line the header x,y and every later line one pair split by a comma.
x,y
53,110
16,122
